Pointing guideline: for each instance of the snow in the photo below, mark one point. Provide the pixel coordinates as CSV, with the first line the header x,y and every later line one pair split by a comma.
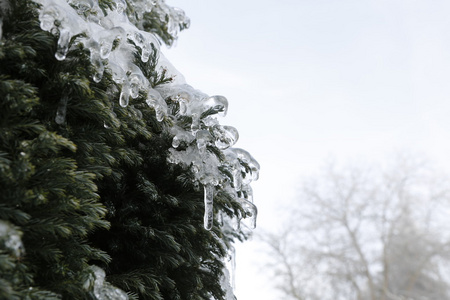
x,y
99,30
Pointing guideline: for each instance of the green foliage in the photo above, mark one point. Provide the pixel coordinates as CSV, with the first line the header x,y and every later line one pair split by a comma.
x,y
46,191
85,181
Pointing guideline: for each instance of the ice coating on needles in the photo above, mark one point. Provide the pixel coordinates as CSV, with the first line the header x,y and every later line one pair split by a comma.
x,y
112,35
102,289
10,239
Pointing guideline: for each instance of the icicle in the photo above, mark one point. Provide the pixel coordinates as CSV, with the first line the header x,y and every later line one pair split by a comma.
x,y
251,212
63,45
209,209
61,110
106,34
226,286
124,97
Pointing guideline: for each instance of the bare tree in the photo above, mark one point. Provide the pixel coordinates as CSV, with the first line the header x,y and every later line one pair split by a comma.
x,y
367,234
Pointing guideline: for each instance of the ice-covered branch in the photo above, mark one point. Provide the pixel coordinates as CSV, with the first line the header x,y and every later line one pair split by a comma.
x,y
114,34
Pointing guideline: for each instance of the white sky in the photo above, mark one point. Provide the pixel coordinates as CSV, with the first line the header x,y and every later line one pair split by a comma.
x,y
310,79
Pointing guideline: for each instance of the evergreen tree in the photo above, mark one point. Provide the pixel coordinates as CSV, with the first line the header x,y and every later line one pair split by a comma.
x,y
91,188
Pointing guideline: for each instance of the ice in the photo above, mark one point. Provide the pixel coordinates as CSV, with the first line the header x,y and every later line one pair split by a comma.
x,y
155,100
124,97
203,139
134,85
232,265
246,158
218,104
226,136
100,30
225,284
209,209
61,110
199,141
63,45
251,212
11,239
102,289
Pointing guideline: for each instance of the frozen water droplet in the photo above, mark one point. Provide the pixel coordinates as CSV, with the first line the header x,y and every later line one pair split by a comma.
x,y
105,48
195,168
175,142
254,167
226,136
203,138
245,157
124,97
121,6
195,126
251,212
146,52
134,86
138,38
96,61
47,17
61,110
118,73
209,206
219,104
183,107
155,100
97,77
63,45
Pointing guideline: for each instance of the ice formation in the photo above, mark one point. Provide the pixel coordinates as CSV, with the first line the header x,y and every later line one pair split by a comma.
x,y
10,239
102,289
200,143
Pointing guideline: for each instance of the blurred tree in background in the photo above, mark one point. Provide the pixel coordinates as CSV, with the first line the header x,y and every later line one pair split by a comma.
x,y
367,234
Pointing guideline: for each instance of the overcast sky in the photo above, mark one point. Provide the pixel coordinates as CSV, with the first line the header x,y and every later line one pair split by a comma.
x,y
308,80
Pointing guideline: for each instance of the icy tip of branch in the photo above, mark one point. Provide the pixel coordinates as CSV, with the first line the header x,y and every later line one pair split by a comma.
x,y
10,239
112,37
102,289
